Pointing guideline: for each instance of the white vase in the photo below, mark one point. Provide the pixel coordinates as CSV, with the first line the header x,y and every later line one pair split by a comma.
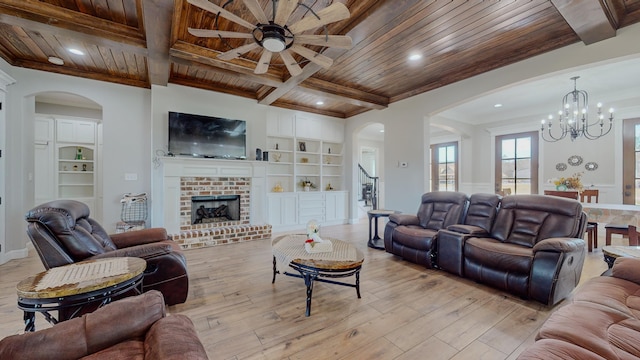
x,y
306,188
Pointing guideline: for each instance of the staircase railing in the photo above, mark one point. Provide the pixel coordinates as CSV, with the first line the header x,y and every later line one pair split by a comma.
x,y
369,186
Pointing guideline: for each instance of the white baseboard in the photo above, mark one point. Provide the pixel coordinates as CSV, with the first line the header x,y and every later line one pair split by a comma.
x,y
14,254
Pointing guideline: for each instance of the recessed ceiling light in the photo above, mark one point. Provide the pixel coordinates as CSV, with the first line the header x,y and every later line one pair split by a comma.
x,y
76,51
320,102
414,57
55,60
497,105
381,130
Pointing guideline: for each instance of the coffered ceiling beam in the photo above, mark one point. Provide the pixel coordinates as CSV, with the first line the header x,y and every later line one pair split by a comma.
x,y
87,74
31,25
77,22
346,94
589,19
157,16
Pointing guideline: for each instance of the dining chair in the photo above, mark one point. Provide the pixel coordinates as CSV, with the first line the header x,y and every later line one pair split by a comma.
x,y
633,236
591,196
588,196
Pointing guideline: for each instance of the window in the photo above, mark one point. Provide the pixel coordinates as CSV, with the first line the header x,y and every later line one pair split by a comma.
x,y
517,163
631,162
444,167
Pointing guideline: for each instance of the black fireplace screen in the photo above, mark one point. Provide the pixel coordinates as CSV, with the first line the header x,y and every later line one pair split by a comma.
x,y
215,208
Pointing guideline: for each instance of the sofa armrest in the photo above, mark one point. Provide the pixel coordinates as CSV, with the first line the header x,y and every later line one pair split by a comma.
x,y
122,320
468,230
139,237
174,338
404,219
146,251
627,268
561,244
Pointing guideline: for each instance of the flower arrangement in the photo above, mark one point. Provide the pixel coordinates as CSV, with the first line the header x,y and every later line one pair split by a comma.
x,y
306,183
573,182
315,244
312,229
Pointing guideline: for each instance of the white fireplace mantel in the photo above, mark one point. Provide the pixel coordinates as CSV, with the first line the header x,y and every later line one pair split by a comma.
x,y
173,168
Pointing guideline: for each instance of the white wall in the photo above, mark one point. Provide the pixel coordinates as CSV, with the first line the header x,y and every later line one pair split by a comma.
x,y
126,119
201,102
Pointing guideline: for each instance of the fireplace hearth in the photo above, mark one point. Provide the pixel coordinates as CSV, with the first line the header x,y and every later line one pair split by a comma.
x,y
215,208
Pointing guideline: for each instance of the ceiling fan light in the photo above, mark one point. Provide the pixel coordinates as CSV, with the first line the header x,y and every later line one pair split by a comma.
x,y
273,43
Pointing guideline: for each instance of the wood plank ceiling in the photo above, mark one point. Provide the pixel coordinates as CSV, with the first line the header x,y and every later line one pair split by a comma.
x,y
145,42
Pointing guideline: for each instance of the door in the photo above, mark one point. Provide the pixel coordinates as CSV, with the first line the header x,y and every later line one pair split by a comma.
x,y
44,161
631,162
517,163
444,167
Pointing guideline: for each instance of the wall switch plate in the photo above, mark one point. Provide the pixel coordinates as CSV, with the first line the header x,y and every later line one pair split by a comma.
x,y
131,176
404,164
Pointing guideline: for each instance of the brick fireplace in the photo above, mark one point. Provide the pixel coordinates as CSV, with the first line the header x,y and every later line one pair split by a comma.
x,y
218,187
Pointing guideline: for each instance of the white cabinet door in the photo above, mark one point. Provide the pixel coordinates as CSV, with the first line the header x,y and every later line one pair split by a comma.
x,y
85,132
336,205
333,130
65,131
283,209
75,131
308,128
280,125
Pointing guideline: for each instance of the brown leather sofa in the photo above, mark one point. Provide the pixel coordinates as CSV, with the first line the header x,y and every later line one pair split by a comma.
x,y
132,328
413,237
63,233
601,322
533,249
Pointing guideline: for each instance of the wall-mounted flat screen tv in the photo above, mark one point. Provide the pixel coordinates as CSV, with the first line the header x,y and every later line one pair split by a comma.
x,y
207,136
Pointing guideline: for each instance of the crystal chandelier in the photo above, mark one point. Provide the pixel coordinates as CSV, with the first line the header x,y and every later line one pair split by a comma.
x,y
573,119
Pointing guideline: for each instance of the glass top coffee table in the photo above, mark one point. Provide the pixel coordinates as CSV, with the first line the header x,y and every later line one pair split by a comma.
x,y
344,261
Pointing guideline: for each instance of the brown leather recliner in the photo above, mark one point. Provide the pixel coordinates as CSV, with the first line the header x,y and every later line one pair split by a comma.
x,y
63,233
132,328
481,214
413,237
534,249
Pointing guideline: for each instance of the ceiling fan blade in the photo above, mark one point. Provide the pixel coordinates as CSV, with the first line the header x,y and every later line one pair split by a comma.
x,y
263,63
213,8
337,41
234,53
313,56
285,8
256,10
334,12
290,63
218,33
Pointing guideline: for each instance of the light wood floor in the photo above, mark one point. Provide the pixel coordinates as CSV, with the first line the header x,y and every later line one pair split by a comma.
x,y
406,311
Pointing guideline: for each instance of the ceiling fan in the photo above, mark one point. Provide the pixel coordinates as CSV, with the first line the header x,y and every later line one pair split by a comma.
x,y
275,36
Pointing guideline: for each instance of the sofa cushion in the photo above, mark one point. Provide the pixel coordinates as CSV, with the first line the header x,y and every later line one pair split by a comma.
x,y
414,237
440,209
525,220
505,257
553,349
130,350
605,332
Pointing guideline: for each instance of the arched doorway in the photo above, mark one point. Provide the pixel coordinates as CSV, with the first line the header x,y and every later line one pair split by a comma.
x,y
67,149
